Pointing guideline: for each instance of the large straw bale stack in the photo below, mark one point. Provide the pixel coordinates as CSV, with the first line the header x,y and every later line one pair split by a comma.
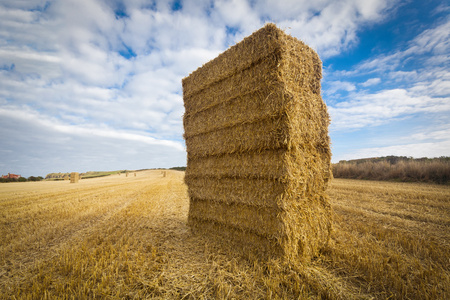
x,y
256,132
74,177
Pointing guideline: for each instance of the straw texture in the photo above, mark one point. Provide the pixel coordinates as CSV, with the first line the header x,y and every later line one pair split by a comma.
x,y
256,132
74,177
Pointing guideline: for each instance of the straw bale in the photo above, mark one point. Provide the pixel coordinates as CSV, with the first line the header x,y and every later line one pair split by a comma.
x,y
264,164
256,192
256,132
237,238
260,220
295,231
270,133
245,108
257,176
302,120
230,89
74,177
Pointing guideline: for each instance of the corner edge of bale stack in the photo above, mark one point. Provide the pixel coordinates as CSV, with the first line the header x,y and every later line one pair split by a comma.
x,y
258,150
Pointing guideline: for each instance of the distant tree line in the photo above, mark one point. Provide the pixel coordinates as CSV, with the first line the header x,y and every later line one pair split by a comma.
x,y
178,168
56,175
396,168
21,179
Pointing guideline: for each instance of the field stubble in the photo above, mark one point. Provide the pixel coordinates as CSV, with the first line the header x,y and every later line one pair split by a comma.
x,y
127,237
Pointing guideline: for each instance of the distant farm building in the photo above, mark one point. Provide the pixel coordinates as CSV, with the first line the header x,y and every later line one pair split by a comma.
x,y
11,176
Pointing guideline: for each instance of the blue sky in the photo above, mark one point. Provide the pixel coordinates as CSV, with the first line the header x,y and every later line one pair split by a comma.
x,y
96,84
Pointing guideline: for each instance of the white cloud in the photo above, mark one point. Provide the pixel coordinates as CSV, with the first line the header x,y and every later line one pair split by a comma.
x,y
237,13
383,107
28,116
431,134
371,82
334,86
331,26
434,82
435,40
31,63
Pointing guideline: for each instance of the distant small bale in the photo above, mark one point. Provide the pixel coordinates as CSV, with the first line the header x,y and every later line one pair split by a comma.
x,y
258,151
74,177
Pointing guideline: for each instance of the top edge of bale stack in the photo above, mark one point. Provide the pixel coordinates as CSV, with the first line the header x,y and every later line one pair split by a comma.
x,y
265,44
256,132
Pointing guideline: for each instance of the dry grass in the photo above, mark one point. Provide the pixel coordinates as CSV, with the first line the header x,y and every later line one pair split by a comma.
x,y
425,170
122,237
392,238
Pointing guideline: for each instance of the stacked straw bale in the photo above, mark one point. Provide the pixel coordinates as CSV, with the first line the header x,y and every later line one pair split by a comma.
x,y
74,177
258,150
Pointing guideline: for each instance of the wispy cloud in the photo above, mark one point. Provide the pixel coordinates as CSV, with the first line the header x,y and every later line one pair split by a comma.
x,y
371,81
382,107
398,93
53,124
434,42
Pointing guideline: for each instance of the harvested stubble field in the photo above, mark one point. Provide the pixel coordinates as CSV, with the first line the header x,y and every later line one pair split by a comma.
x,y
123,237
